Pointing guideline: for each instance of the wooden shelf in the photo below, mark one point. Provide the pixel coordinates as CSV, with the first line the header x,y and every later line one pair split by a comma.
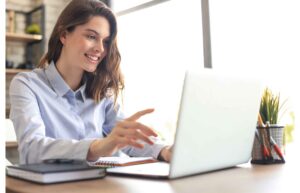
x,y
23,37
11,144
15,71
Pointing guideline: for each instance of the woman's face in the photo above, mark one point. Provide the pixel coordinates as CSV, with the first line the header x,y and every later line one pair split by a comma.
x,y
86,45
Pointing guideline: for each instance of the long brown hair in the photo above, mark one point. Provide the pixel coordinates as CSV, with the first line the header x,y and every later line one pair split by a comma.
x,y
108,76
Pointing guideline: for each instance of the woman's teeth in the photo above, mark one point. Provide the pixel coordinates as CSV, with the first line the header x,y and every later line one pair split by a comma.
x,y
94,58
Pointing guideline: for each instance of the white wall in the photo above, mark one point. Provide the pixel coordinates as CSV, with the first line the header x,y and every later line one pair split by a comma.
x,y
261,38
157,45
255,37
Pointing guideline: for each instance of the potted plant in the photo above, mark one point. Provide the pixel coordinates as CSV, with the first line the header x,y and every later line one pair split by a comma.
x,y
268,145
270,107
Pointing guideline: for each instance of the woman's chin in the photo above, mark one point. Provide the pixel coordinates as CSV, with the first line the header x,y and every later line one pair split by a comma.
x,y
91,71
90,68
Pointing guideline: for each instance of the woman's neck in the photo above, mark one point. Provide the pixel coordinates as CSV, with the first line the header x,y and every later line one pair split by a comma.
x,y
70,74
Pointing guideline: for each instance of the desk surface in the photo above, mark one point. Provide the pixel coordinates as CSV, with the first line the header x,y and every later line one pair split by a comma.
x,y
243,178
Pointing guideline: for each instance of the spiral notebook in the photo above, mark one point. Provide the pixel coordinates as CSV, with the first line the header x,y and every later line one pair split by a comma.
x,y
121,161
47,173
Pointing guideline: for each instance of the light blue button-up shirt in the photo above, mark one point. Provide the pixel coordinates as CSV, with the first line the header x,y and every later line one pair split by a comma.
x,y
52,121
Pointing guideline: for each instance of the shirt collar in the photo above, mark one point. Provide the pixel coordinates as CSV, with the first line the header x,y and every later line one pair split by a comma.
x,y
58,83
82,91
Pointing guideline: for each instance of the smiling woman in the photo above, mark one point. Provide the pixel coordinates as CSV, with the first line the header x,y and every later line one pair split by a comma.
x,y
97,25
83,48
67,108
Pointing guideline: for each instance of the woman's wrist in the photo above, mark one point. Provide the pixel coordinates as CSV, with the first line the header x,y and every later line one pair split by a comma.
x,y
165,154
160,157
99,148
92,155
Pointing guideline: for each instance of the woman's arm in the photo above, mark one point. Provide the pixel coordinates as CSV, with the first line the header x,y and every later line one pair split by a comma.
x,y
34,145
128,132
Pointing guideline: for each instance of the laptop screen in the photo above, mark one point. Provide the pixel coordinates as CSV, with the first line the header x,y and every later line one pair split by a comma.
x,y
215,127
216,122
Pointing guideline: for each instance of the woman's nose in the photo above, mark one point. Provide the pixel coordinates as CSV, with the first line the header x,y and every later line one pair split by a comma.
x,y
99,47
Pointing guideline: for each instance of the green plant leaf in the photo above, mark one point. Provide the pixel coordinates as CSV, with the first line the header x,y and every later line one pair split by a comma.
x,y
269,107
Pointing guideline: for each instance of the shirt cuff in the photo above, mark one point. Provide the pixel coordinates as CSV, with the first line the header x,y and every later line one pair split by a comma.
x,y
81,152
157,149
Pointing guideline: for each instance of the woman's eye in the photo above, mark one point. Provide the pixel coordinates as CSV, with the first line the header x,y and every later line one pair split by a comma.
x,y
91,37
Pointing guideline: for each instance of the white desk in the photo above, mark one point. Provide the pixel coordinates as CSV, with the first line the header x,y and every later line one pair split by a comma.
x,y
246,178
243,179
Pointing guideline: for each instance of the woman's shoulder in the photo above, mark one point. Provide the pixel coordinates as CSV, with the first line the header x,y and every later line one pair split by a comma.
x,y
36,74
29,78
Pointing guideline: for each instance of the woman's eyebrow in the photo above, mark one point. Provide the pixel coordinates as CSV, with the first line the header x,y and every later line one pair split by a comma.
x,y
91,30
97,33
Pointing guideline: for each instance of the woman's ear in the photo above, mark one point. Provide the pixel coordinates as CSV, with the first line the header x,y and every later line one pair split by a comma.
x,y
63,37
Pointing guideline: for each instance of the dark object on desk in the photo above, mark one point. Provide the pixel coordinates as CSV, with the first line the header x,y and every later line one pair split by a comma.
x,y
9,64
26,65
55,172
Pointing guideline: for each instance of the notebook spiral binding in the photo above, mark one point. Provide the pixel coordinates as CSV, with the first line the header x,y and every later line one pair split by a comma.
x,y
107,163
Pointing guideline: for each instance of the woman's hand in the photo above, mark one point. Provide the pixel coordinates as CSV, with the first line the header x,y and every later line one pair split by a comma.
x,y
127,132
166,153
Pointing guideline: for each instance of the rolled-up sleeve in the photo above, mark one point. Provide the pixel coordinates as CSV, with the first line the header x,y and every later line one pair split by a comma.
x,y
34,146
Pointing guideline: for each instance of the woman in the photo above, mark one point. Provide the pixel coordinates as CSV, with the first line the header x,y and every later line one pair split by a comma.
x,y
66,109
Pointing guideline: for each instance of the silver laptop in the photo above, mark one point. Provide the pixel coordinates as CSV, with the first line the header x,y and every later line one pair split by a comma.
x,y
215,127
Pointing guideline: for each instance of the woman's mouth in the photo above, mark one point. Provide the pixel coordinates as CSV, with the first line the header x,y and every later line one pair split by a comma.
x,y
92,58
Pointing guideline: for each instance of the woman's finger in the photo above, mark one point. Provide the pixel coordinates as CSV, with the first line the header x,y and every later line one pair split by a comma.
x,y
136,125
124,141
136,134
139,114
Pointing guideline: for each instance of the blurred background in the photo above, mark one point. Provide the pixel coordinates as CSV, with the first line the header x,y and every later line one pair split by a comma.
x,y
160,39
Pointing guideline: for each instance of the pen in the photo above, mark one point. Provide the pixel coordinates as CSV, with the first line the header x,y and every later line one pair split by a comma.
x,y
257,136
277,149
260,121
58,161
265,150
268,136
